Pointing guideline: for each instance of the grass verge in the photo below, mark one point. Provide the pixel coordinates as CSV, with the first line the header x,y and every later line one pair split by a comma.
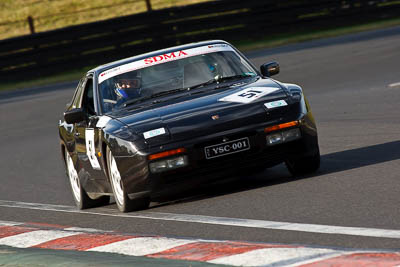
x,y
54,14
244,45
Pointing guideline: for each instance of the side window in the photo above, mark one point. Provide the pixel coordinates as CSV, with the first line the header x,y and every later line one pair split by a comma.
x,y
76,100
88,100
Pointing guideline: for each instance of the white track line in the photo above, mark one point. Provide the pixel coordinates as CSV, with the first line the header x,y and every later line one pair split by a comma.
x,y
142,246
34,238
261,224
4,223
88,230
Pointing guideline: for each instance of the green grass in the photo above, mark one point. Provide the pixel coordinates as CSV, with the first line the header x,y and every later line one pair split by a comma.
x,y
54,14
244,45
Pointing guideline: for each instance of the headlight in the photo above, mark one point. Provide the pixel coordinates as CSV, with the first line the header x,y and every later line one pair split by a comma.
x,y
290,135
274,139
283,136
168,164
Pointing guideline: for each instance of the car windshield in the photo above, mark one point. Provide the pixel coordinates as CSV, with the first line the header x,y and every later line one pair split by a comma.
x,y
170,73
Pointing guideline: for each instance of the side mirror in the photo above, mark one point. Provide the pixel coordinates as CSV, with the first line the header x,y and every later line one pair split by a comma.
x,y
269,69
74,115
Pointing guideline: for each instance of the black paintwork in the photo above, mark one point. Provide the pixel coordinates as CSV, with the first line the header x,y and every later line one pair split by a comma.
x,y
187,120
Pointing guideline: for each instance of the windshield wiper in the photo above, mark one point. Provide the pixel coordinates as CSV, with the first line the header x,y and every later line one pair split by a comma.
x,y
139,100
223,79
235,77
219,79
213,80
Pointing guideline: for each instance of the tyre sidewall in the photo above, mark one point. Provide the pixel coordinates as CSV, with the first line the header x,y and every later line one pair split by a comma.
x,y
79,203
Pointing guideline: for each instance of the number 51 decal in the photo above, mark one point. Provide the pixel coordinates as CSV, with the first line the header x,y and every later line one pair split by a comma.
x,y
249,95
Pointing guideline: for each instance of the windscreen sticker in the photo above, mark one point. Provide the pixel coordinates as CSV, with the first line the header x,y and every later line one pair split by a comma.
x,y
102,122
154,133
163,58
275,104
249,95
91,149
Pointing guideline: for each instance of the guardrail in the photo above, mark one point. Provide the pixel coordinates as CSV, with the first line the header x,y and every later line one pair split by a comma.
x,y
96,43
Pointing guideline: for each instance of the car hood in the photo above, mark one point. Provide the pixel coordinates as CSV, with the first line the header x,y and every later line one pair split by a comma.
x,y
203,113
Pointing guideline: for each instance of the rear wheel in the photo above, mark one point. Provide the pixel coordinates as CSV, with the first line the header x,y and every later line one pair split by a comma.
x,y
82,200
304,165
124,203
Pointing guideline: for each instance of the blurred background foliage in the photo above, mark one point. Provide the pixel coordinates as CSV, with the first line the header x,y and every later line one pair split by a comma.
x,y
54,14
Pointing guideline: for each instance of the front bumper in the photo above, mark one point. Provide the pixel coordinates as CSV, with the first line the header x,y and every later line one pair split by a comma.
x,y
139,181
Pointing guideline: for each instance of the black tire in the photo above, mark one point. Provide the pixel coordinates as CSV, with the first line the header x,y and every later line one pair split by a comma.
x,y
81,198
124,203
304,165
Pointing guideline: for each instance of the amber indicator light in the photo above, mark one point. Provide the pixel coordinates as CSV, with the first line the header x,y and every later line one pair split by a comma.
x,y
281,126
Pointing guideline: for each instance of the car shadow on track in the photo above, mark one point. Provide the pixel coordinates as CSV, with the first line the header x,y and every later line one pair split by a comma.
x,y
330,163
360,157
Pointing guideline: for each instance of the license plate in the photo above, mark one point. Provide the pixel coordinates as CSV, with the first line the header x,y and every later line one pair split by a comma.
x,y
227,148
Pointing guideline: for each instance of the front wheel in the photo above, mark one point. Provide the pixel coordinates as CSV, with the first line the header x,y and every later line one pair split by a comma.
x,y
82,200
124,203
304,165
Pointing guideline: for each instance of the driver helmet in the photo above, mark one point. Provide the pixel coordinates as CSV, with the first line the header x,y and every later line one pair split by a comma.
x,y
127,85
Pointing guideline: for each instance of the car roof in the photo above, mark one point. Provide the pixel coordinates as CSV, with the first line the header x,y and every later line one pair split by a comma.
x,y
153,53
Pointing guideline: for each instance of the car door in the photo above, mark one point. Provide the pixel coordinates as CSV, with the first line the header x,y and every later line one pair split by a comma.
x,y
87,140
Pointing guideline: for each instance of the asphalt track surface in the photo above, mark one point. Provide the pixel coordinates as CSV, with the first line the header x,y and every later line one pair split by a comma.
x,y
351,84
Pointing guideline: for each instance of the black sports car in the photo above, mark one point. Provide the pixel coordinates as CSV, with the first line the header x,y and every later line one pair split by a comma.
x,y
143,126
